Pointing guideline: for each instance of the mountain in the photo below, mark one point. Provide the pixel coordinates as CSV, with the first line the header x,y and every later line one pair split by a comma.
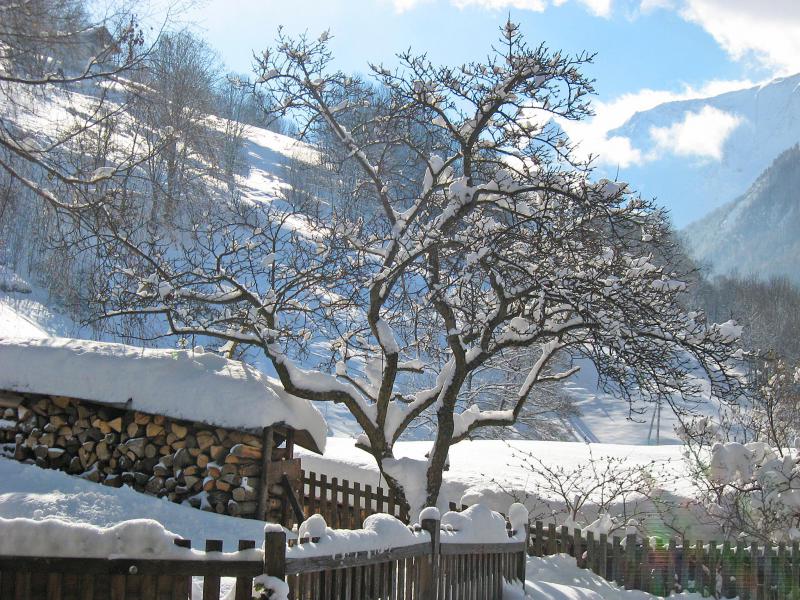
x,y
758,232
699,154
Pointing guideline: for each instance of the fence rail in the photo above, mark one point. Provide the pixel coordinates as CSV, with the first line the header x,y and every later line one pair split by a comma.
x,y
345,505
746,571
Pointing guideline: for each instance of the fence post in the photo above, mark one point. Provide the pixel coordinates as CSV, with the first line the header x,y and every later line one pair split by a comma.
x,y
538,548
522,561
429,569
275,553
630,561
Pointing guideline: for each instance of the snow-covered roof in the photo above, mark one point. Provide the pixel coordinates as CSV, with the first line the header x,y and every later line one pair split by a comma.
x,y
182,384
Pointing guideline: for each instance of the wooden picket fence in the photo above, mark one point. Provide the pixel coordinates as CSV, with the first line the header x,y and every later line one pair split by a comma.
x,y
746,571
430,570
345,505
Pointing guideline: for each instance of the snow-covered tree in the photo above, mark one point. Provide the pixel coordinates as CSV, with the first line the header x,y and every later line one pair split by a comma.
x,y
470,232
49,49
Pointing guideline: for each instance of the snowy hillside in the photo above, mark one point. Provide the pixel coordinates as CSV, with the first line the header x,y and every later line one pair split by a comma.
x,y
758,232
696,155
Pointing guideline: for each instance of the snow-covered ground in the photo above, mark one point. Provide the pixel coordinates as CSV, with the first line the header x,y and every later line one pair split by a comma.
x,y
494,472
558,578
26,491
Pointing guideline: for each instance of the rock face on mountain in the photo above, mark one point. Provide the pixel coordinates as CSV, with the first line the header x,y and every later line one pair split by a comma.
x,y
758,232
766,121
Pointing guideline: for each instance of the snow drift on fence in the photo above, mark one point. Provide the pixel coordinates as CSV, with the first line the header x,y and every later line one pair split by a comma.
x,y
137,538
380,532
182,384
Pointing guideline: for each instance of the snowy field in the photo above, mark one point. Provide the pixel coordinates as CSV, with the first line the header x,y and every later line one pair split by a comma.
x,y
494,472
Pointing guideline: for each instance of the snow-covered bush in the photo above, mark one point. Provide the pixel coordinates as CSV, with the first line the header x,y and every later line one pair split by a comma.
x,y
748,488
600,494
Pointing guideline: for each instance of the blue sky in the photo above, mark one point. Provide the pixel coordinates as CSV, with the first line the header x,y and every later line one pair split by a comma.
x,y
648,51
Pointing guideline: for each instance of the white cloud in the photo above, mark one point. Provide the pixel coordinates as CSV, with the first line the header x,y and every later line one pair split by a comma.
x,y
593,135
701,134
600,8
767,30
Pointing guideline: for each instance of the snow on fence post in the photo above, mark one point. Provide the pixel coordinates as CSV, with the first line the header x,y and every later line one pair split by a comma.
x,y
429,565
275,552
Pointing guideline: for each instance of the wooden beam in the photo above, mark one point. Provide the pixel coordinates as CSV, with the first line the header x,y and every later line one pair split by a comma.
x,y
296,508
266,459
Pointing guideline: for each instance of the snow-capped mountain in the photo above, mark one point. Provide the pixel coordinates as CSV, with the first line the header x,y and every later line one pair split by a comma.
x,y
758,232
698,154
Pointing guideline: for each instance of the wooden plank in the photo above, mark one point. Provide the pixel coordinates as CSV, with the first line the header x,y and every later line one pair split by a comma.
x,y
357,505
565,539
795,589
552,542
645,566
768,571
122,566
267,438
86,587
725,569
686,548
740,572
617,570
754,556
781,574
671,576
630,561
244,585
22,585
369,496
54,586
537,541
118,591
148,586
577,545
699,562
602,557
312,504
324,506
336,523
211,583
589,563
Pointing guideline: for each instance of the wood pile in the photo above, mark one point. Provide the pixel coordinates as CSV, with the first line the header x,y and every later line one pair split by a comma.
x,y
214,469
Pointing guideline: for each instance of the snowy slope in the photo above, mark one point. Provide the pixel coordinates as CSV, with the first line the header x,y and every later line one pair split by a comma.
x,y
759,232
766,121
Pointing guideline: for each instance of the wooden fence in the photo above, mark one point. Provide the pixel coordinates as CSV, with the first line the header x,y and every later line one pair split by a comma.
x,y
746,571
430,570
345,505
56,578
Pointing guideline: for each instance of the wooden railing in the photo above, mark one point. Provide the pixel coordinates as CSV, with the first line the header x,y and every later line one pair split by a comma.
x,y
746,571
429,570
57,578
345,505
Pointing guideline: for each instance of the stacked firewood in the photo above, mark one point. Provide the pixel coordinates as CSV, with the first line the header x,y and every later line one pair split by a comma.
x,y
214,469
